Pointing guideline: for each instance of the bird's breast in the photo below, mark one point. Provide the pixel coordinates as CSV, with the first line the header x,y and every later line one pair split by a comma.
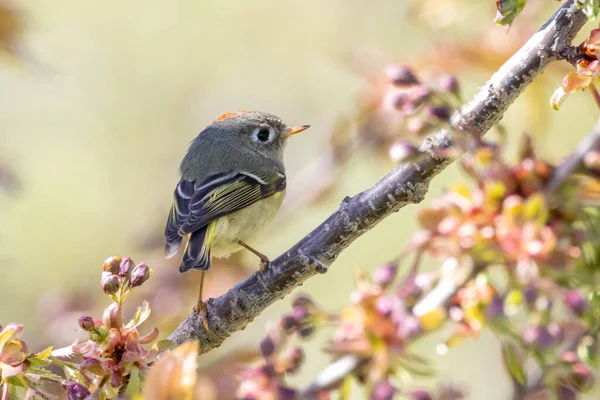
x,y
244,224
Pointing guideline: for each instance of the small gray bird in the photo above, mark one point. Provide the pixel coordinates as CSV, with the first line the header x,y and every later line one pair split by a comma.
x,y
232,185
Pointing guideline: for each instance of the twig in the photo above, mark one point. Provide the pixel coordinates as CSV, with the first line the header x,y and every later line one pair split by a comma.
x,y
566,168
595,94
404,185
332,375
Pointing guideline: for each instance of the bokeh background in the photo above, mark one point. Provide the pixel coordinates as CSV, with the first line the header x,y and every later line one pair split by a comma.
x,y
99,100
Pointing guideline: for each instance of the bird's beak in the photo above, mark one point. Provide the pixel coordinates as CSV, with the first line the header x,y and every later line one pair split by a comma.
x,y
294,130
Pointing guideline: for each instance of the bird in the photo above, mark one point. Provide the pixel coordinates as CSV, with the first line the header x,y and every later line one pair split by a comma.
x,y
232,183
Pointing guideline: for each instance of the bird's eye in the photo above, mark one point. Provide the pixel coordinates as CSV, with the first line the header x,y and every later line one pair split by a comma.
x,y
263,135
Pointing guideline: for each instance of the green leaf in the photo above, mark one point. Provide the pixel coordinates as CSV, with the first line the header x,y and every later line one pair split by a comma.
x,y
42,355
13,392
14,381
590,8
513,362
141,315
44,373
345,389
133,387
508,11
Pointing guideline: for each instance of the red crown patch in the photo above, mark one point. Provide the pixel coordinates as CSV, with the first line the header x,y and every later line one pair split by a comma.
x,y
229,115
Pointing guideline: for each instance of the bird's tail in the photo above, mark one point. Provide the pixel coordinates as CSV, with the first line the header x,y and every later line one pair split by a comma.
x,y
197,250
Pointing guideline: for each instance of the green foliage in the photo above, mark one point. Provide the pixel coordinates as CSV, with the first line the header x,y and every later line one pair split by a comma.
x,y
591,8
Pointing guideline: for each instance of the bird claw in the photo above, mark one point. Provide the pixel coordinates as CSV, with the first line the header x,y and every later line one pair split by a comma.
x,y
264,264
201,308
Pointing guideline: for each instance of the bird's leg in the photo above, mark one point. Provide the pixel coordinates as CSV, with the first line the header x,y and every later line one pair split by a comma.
x,y
201,306
264,260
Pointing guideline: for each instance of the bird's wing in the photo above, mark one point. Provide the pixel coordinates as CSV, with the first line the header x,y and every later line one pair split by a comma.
x,y
197,204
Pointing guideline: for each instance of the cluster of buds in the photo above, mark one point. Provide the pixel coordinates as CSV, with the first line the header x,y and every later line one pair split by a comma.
x,y
471,309
378,326
119,275
115,349
375,328
510,219
506,219
266,379
304,318
412,109
399,109
586,74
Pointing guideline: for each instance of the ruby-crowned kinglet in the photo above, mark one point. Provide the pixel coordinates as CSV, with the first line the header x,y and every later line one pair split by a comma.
x,y
232,185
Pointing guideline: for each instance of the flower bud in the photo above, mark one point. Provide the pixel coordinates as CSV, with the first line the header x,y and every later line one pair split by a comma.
x,y
285,393
545,339
383,391
441,113
385,274
569,357
449,83
582,377
111,264
76,391
139,275
113,316
400,75
110,284
288,323
300,314
409,327
125,267
576,302
420,395
267,347
530,295
306,331
86,323
531,335
495,308
538,336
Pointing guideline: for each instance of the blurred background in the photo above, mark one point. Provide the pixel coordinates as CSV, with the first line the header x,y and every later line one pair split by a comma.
x,y
98,102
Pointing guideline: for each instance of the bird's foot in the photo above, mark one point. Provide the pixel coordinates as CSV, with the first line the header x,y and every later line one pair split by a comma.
x,y
201,308
264,264
264,260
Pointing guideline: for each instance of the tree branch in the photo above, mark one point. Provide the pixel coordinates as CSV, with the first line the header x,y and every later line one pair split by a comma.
x,y
575,160
404,185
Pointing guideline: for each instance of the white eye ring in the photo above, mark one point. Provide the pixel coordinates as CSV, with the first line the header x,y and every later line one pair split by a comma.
x,y
263,135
